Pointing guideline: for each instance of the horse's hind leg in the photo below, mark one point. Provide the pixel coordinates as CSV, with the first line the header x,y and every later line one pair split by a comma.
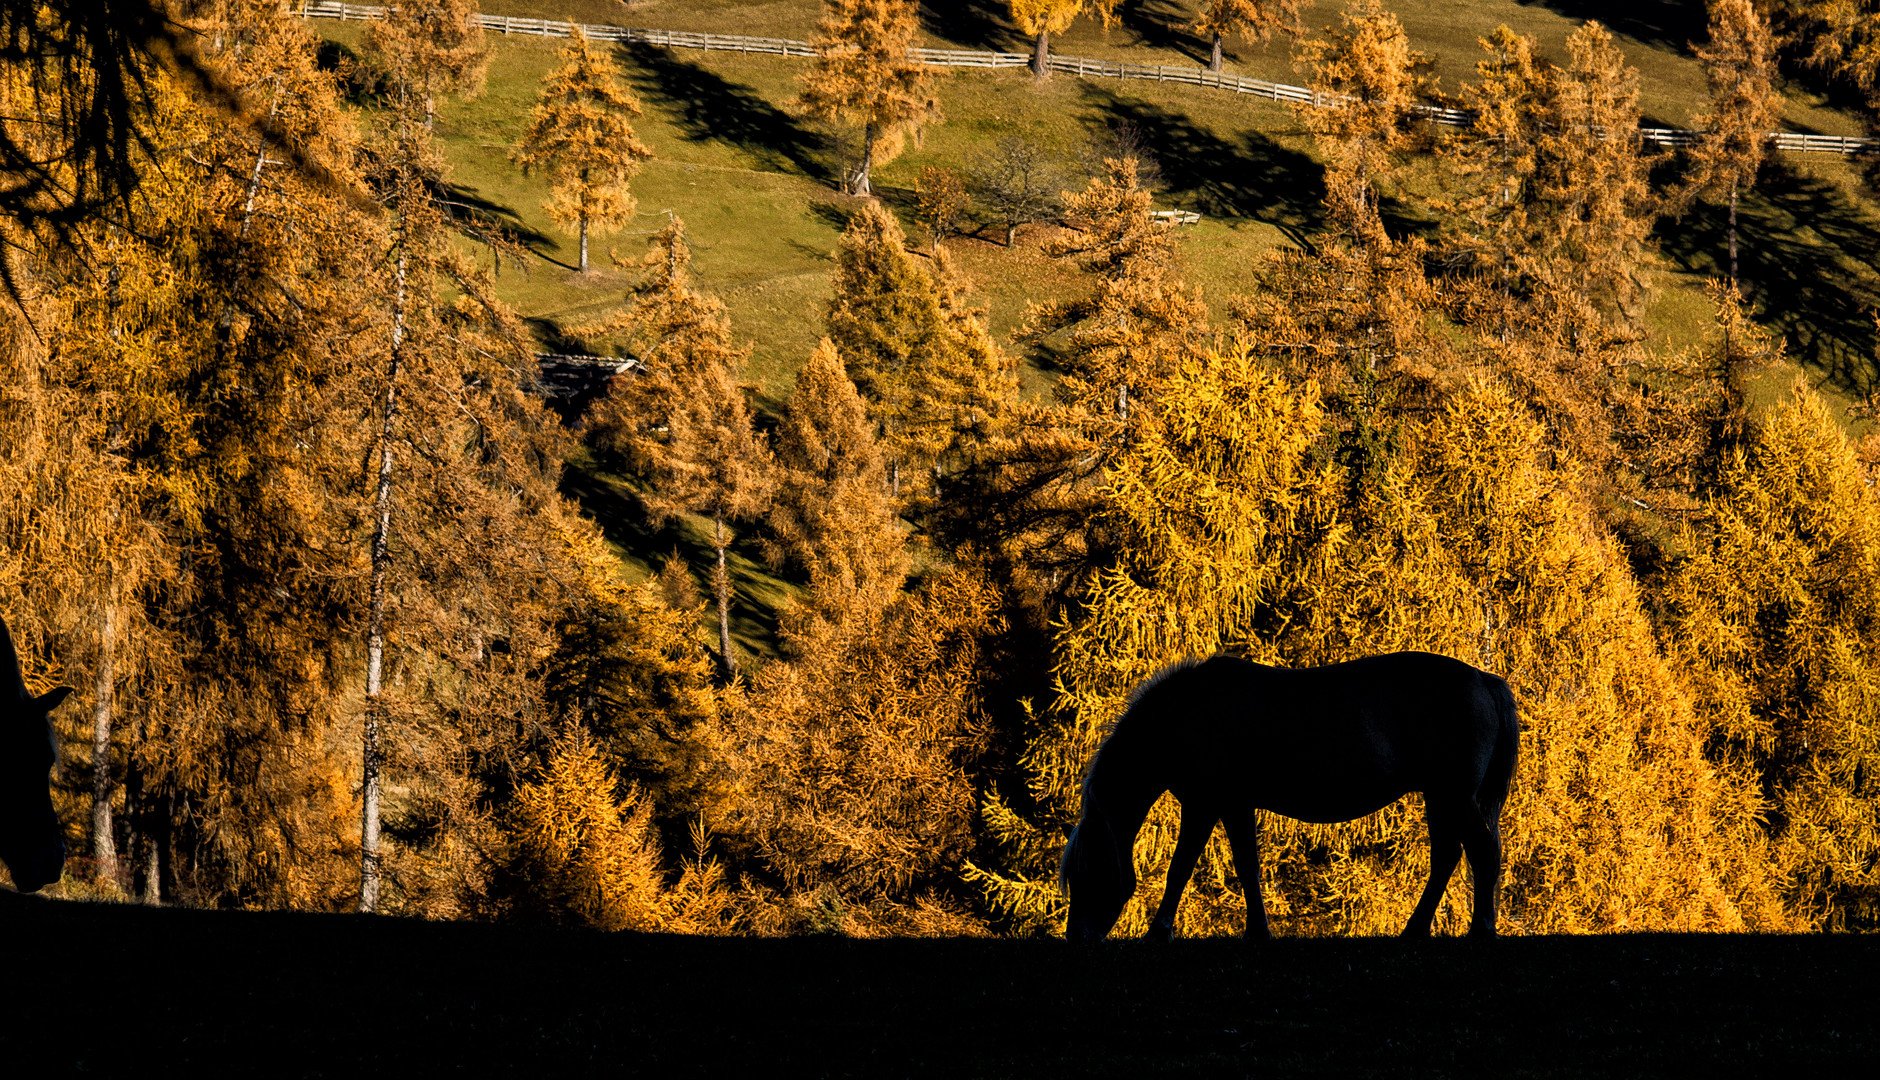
x,y
1445,853
1243,835
1197,826
1483,840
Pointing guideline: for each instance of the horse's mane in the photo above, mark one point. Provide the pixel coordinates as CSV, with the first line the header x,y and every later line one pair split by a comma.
x,y
1129,706
1077,847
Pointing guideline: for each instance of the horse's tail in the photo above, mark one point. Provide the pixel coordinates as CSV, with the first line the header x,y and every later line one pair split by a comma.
x,y
1493,791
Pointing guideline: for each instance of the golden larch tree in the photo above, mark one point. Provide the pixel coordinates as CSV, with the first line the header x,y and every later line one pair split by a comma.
x,y
582,850
1592,178
1740,62
428,48
1490,171
856,758
834,516
923,361
1365,77
460,457
1846,40
1240,532
169,312
945,205
681,422
579,135
1127,335
1254,20
865,75
627,670
1775,615
1042,18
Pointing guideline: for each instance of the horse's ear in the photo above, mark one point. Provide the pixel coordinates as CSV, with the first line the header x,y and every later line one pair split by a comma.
x,y
50,700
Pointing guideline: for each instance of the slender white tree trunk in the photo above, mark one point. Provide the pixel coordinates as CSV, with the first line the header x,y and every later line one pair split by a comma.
x,y
859,185
153,875
372,753
721,589
1734,291
103,843
584,246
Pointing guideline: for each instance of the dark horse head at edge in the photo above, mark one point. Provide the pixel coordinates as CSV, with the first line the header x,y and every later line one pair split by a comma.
x,y
30,842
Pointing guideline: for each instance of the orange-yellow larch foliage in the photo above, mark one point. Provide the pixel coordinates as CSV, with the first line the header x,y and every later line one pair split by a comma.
x,y
1254,20
1775,615
864,75
1239,533
579,135
1740,62
428,48
580,851
1042,18
1366,67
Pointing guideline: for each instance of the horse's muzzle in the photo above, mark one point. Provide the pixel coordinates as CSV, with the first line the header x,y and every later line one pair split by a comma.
x,y
35,870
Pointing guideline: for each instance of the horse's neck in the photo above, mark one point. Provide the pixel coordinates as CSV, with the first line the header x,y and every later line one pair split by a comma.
x,y
1126,800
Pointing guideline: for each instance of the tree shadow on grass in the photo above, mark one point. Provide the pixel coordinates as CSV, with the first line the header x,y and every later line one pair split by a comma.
x,y
757,593
1804,251
707,107
1163,24
1672,24
478,219
1249,177
973,24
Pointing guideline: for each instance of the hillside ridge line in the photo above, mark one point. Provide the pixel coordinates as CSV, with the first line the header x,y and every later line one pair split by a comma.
x,y
1069,65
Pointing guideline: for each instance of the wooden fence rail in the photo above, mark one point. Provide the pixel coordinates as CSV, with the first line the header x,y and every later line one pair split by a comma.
x,y
1067,65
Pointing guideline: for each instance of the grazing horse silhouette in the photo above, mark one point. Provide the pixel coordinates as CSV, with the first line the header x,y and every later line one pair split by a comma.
x,y
30,842
1227,737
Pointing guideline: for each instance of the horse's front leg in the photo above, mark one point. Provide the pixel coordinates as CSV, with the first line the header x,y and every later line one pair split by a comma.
x,y
1243,835
1197,826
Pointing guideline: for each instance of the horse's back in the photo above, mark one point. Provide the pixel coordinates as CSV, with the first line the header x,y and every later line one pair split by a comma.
x,y
1334,742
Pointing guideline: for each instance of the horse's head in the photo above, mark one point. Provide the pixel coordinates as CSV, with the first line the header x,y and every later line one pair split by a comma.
x,y
30,841
1098,873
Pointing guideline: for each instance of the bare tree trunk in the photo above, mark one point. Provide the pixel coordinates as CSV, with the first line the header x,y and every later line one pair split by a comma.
x,y
858,184
1214,61
1734,291
145,828
153,874
1011,230
103,843
721,590
584,249
372,755
1041,55
158,829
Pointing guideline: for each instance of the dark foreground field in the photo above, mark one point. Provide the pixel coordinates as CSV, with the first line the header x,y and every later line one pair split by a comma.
x,y
124,990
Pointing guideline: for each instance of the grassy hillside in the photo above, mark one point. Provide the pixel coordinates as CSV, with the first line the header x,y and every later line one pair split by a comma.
x,y
1654,33
753,180
322,995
